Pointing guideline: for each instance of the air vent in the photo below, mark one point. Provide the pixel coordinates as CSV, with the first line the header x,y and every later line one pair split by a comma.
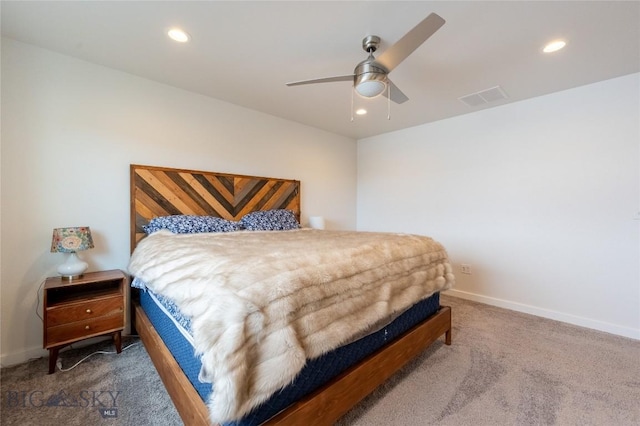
x,y
484,96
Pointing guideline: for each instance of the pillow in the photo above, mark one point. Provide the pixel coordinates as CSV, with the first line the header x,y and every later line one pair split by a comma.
x,y
270,220
189,224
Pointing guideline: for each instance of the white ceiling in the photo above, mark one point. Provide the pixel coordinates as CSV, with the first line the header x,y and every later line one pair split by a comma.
x,y
245,52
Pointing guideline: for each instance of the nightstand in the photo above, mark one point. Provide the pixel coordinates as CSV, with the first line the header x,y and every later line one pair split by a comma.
x,y
90,306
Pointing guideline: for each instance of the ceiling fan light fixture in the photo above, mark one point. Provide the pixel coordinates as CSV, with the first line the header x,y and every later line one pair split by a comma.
x,y
371,78
370,88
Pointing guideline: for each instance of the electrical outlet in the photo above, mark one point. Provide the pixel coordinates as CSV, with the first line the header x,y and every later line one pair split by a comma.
x,y
465,269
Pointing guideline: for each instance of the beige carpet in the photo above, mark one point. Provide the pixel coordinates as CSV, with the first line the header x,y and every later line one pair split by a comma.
x,y
504,368
507,368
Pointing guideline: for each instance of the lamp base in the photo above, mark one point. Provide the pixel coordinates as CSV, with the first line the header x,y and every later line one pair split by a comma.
x,y
71,277
73,268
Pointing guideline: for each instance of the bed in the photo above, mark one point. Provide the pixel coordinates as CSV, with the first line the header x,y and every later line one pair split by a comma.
x,y
157,192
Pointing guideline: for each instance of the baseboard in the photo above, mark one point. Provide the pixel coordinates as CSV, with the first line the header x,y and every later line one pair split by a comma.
x,y
8,360
629,332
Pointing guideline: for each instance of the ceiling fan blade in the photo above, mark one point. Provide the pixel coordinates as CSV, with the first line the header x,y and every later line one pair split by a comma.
x,y
323,80
397,53
396,94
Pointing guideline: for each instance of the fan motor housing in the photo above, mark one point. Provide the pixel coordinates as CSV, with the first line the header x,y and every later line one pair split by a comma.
x,y
370,70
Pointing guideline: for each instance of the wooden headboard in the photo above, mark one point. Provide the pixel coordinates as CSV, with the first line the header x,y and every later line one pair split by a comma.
x,y
161,191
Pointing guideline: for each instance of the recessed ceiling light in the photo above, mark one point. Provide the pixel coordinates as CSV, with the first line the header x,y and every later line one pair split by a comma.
x,y
554,46
361,111
178,35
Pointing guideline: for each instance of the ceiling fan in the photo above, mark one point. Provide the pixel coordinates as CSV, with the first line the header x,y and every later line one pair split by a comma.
x,y
370,77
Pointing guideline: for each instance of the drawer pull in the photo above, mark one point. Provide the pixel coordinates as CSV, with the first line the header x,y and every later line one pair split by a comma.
x,y
88,311
86,327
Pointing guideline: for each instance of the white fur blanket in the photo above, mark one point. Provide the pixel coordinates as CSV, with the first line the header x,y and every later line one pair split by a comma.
x,y
261,303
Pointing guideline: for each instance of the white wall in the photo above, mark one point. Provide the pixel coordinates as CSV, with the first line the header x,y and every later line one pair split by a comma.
x,y
539,197
70,129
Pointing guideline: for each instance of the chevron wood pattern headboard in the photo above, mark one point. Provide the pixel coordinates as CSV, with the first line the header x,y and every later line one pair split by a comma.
x,y
161,191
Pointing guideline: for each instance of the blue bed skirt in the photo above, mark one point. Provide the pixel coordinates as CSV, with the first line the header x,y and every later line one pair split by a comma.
x,y
316,373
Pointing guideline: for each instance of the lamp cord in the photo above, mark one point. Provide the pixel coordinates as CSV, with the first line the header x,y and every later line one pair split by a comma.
x,y
38,303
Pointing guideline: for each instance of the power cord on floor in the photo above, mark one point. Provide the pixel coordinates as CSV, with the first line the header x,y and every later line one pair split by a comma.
x,y
59,361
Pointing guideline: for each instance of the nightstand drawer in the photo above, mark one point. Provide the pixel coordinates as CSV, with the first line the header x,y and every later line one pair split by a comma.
x,y
83,329
70,313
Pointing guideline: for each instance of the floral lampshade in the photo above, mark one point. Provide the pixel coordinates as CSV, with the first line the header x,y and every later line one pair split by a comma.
x,y
71,240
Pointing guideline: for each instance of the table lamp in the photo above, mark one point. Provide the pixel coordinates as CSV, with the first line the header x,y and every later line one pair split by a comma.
x,y
72,240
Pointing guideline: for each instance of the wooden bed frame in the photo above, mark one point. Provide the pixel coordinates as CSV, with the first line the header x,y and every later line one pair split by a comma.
x,y
158,191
